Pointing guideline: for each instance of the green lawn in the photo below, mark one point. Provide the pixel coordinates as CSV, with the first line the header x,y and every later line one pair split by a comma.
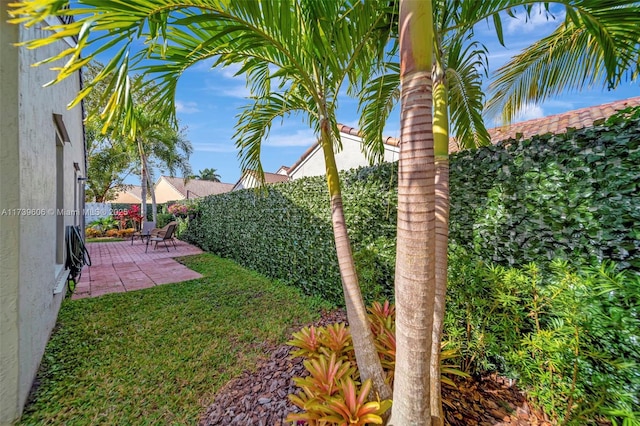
x,y
157,356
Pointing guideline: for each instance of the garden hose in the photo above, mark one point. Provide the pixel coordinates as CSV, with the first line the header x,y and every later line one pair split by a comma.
x,y
77,255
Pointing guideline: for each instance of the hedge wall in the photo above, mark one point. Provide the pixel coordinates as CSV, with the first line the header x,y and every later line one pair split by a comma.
x,y
572,195
285,231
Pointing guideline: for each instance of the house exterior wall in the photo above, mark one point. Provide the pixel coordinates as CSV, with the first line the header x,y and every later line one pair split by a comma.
x,y
349,157
246,181
125,197
166,192
38,176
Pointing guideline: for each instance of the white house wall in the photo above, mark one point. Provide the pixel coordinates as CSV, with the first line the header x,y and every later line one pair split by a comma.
x,y
28,202
349,157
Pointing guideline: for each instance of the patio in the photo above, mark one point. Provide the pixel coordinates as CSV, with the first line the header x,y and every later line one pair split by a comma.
x,y
117,267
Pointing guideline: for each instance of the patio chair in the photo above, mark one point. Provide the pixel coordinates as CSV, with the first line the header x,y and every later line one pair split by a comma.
x,y
162,235
145,232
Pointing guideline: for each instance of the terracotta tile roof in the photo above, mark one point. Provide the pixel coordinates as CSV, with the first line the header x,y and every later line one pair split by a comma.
x,y
275,177
558,123
197,187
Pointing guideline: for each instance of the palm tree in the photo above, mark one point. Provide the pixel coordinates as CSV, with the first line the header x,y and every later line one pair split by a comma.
x,y
158,146
297,55
415,258
597,42
207,174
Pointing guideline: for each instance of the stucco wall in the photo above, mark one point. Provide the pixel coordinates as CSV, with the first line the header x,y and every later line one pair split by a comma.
x,y
165,192
349,157
28,183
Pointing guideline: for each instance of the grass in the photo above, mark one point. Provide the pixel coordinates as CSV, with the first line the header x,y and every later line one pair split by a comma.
x,y
157,356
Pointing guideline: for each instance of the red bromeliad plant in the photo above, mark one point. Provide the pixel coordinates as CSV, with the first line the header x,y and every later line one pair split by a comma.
x,y
352,407
332,394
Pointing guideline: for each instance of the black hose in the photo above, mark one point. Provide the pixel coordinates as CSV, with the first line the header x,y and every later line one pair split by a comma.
x,y
77,254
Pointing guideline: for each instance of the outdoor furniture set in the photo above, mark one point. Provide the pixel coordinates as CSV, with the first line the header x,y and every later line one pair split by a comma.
x,y
150,234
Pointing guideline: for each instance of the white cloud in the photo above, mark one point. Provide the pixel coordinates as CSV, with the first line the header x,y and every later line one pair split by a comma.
x,y
214,147
226,88
528,112
304,137
241,92
539,20
230,71
186,107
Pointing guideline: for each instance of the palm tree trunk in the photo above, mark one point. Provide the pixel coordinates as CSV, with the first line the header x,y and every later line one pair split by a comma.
x,y
441,151
154,204
366,354
415,255
143,183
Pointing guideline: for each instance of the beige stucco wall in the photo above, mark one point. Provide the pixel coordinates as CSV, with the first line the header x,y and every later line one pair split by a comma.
x,y
28,305
165,192
125,197
349,157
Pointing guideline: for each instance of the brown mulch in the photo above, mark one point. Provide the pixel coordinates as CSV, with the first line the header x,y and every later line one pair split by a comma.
x,y
259,398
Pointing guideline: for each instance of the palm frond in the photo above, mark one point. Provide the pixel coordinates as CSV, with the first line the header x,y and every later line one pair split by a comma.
x,y
591,47
466,63
254,125
377,100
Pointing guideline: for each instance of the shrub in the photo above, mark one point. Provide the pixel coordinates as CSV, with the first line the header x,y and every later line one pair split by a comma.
x,y
569,196
93,232
104,224
126,233
285,231
128,217
569,336
163,219
111,233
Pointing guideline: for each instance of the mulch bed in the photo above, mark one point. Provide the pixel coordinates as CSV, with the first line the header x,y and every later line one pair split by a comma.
x,y
259,398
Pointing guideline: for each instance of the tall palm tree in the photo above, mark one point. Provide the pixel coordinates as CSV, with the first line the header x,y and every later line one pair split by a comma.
x,y
297,55
598,42
158,146
415,258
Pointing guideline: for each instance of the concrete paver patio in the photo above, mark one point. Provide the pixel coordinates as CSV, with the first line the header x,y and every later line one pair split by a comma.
x,y
117,267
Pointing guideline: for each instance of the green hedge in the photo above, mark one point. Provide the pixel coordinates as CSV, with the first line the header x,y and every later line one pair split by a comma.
x,y
571,196
285,231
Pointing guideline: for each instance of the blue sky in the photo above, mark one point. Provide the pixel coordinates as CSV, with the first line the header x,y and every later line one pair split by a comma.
x,y
208,101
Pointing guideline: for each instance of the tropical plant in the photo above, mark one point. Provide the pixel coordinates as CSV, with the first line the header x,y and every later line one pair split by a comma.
x,y
330,360
129,218
296,54
596,42
108,161
114,154
104,224
207,174
158,146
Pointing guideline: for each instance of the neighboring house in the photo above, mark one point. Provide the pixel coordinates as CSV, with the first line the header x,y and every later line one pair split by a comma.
x,y
42,171
311,163
250,179
128,194
175,189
